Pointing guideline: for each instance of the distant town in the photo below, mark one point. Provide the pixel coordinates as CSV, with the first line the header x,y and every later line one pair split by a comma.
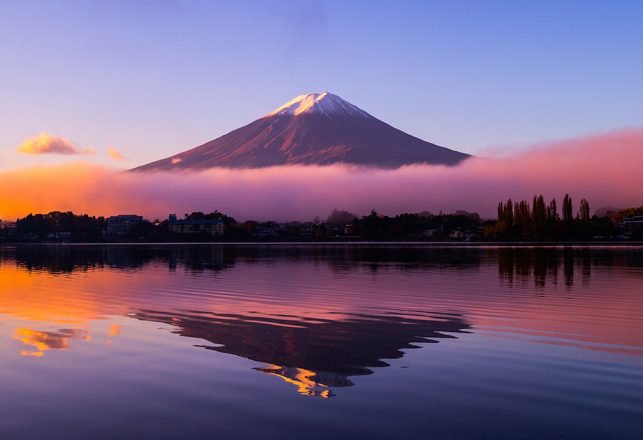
x,y
518,221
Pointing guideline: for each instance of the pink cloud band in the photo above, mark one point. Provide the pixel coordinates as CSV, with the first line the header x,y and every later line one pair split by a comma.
x,y
605,169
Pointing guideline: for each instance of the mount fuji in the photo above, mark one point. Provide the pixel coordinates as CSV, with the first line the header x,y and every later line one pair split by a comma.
x,y
311,129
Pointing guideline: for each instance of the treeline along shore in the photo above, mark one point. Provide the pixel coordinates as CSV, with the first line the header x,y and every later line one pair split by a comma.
x,y
517,221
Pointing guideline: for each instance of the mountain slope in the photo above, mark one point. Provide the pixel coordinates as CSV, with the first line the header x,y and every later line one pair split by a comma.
x,y
317,129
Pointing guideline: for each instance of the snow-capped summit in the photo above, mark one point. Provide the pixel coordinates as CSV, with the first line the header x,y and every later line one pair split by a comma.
x,y
323,103
312,129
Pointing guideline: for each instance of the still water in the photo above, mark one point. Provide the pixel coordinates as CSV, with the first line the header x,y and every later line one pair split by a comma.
x,y
223,341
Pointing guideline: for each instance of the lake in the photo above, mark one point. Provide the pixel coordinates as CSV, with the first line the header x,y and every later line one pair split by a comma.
x,y
321,341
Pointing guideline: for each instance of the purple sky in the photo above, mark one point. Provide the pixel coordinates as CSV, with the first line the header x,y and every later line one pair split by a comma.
x,y
151,78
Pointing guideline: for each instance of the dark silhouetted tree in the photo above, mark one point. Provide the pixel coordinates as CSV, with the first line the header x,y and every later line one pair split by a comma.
x,y
505,217
539,217
342,218
583,211
552,212
522,218
568,215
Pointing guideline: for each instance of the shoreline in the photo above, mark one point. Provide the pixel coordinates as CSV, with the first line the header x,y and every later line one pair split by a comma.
x,y
523,244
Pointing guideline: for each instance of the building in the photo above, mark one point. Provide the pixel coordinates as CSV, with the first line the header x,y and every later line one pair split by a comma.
x,y
267,230
188,226
633,224
458,234
297,229
8,227
431,233
122,224
59,236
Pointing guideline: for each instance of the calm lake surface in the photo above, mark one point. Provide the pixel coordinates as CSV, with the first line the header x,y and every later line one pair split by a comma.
x,y
224,341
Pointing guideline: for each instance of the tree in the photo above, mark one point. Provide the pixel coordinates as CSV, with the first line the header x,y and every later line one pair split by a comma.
x,y
583,211
539,216
505,217
522,218
552,212
509,215
568,216
340,218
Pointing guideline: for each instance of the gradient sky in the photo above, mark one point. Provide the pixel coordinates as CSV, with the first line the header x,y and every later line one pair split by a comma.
x,y
151,78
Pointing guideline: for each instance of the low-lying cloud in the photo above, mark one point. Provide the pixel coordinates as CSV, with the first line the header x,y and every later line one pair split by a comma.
x,y
46,143
605,169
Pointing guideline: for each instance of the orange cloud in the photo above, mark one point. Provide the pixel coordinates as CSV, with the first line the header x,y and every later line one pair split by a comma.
x,y
41,341
605,169
46,143
115,154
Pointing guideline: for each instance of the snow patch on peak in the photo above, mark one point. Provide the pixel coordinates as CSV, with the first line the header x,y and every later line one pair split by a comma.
x,y
323,103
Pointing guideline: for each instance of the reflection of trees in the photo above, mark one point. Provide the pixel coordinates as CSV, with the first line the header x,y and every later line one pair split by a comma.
x,y
515,264
618,257
70,258
408,258
543,265
347,257
67,259
314,356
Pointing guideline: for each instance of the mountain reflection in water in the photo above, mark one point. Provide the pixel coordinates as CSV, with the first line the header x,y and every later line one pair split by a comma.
x,y
315,316
314,356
